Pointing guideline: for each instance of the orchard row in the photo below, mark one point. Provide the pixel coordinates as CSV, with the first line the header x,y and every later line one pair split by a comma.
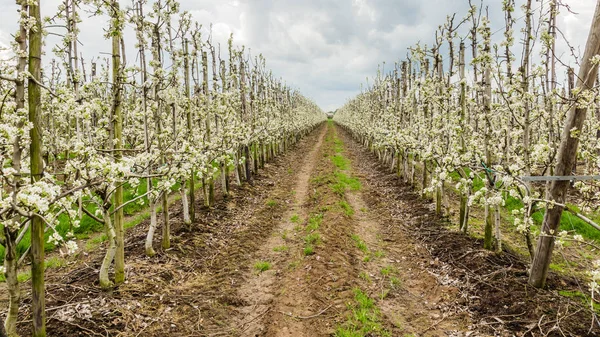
x,y
77,136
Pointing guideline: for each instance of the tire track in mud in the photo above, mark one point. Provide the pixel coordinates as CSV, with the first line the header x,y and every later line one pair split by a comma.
x,y
311,289
260,290
314,295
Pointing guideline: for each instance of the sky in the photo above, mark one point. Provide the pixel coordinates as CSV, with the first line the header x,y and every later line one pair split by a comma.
x,y
324,48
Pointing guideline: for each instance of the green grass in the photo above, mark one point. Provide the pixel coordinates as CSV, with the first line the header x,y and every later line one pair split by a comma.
x,y
349,182
338,145
55,262
395,282
342,182
580,296
308,250
24,276
568,221
388,270
314,222
365,276
360,244
295,218
364,320
312,239
280,249
348,210
262,266
271,203
340,162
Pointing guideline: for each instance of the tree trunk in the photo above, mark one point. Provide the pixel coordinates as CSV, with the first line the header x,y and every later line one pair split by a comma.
x,y
185,205
117,115
2,330
166,228
210,184
151,229
487,110
12,283
567,155
189,119
105,282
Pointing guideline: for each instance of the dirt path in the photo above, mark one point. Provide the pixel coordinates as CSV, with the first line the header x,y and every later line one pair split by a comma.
x,y
395,269
357,278
259,292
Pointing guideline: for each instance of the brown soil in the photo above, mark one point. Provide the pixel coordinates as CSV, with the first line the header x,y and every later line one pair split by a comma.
x,y
492,288
424,279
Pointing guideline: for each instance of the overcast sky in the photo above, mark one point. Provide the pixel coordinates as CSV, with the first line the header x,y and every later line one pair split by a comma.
x,y
324,48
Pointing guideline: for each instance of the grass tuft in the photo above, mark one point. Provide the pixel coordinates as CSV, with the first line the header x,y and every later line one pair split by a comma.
x,y
348,210
364,320
280,249
309,250
262,266
360,244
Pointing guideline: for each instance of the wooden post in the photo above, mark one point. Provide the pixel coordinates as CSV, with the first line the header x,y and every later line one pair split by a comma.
x,y
38,301
246,148
487,111
210,189
187,86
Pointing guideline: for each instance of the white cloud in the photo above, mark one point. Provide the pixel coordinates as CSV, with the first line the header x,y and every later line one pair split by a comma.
x,y
325,48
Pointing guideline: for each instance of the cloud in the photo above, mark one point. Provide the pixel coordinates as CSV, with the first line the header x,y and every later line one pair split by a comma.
x,y
324,48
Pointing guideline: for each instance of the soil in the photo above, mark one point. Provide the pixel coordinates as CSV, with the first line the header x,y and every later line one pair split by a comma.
x,y
382,239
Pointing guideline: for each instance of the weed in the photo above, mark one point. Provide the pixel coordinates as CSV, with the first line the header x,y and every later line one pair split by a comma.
x,y
585,299
388,270
360,244
313,239
340,162
295,218
99,239
271,203
365,276
364,319
379,254
293,264
348,210
309,250
347,181
55,262
281,249
24,276
262,266
384,293
314,222
395,282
